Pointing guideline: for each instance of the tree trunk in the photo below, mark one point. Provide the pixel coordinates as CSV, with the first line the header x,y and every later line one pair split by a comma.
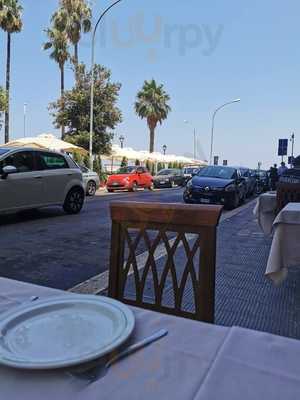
x,y
62,91
76,61
152,134
6,129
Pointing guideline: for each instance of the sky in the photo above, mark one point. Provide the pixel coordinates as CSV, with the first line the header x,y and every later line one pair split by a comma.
x,y
205,53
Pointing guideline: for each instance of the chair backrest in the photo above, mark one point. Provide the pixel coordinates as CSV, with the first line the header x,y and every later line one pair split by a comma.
x,y
287,193
163,257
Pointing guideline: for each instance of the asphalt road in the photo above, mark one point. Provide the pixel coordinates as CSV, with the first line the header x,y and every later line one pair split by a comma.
x,y
50,248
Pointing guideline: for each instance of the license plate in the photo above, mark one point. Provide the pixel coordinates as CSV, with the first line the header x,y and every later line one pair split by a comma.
x,y
206,201
162,182
115,184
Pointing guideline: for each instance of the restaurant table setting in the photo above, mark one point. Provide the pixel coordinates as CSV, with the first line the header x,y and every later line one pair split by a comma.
x,y
189,359
265,211
285,248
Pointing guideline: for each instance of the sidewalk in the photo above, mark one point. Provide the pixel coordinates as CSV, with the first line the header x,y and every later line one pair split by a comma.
x,y
244,297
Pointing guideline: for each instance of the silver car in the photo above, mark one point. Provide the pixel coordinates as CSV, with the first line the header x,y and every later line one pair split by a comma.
x,y
91,181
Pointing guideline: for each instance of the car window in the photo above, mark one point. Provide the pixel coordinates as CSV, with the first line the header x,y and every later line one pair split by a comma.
x,y
51,161
126,170
218,172
23,161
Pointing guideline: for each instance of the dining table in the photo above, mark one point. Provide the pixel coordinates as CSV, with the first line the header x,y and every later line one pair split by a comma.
x,y
265,211
285,248
195,361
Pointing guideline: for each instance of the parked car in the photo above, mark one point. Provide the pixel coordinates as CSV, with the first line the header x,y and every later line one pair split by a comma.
x,y
216,185
31,178
262,181
189,172
250,180
169,178
130,178
91,181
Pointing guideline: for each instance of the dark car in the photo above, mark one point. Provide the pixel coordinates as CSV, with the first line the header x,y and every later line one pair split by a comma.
x,y
250,180
169,178
262,181
216,185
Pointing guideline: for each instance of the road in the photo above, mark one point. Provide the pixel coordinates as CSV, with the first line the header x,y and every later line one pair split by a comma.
x,y
50,248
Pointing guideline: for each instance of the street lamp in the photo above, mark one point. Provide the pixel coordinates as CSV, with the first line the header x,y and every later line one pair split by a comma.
x,y
24,119
164,149
93,81
195,140
213,126
122,139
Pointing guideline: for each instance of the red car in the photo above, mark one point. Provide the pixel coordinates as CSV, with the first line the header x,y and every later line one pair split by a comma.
x,y
130,178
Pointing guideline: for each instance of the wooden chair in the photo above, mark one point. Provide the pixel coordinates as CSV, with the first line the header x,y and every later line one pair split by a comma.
x,y
287,193
167,229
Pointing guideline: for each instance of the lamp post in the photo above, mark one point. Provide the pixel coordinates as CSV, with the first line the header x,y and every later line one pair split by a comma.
x,y
293,143
93,80
24,119
213,126
195,140
164,149
122,139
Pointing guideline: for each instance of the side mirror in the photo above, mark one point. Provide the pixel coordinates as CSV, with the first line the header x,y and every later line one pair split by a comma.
x,y
8,170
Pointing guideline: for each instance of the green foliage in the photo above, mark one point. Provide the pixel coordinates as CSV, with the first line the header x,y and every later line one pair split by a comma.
x,y
58,43
124,162
160,166
73,111
11,16
72,18
152,104
137,163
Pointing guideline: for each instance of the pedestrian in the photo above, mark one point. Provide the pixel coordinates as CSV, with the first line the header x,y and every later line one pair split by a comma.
x,y
292,175
273,176
282,169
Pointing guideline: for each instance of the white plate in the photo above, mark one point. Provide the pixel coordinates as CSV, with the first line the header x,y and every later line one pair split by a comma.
x,y
206,201
63,331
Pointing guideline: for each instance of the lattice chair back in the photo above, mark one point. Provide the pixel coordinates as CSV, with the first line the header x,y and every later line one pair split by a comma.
x,y
163,257
287,193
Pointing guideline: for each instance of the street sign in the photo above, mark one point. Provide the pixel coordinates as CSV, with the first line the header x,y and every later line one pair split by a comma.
x,y
283,147
216,160
225,163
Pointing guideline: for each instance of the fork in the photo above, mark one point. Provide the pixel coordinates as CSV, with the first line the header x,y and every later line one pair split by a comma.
x,y
100,369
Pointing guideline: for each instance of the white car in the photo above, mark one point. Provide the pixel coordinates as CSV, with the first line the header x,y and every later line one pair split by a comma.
x,y
31,178
91,181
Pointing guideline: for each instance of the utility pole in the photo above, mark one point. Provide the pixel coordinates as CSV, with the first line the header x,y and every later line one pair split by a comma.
x,y
195,144
24,119
293,143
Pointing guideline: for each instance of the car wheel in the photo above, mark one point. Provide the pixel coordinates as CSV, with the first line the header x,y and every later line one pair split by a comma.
x,y
234,203
74,201
91,188
134,187
151,187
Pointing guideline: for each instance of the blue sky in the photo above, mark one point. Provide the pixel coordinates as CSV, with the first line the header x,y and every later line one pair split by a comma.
x,y
204,52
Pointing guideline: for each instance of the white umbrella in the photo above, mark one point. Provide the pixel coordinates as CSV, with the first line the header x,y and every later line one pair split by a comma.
x,y
46,141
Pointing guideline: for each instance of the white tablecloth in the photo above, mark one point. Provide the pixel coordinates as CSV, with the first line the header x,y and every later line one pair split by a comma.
x,y
265,211
196,361
285,249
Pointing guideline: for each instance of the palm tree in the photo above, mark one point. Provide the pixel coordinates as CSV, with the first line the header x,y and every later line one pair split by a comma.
x,y
73,17
58,43
152,104
10,22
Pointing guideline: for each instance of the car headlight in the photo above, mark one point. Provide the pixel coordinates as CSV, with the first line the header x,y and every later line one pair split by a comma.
x,y
230,188
189,184
127,180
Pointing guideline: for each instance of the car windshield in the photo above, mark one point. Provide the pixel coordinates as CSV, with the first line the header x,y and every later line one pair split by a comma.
x,y
190,170
166,172
218,172
3,151
126,170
